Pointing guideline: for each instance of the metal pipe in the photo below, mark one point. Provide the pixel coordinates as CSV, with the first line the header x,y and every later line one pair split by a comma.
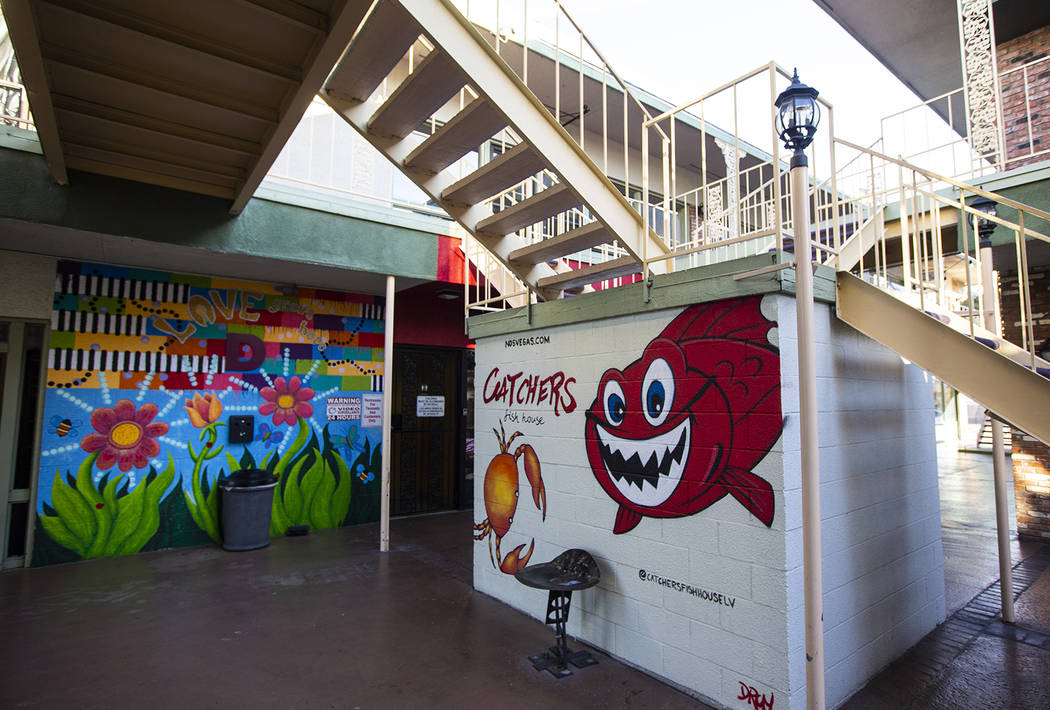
x,y
388,392
1002,509
807,395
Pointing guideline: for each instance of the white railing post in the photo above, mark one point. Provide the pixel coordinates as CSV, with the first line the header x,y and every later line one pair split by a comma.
x,y
388,392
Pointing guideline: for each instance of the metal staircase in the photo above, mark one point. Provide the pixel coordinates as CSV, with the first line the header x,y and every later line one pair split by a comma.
x,y
877,220
417,60
909,302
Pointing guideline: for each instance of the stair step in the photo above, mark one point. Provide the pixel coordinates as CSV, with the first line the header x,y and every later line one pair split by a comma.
x,y
624,266
471,127
494,177
585,237
555,199
383,40
435,80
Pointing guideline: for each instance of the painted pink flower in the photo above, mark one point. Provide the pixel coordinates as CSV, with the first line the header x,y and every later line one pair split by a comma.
x,y
286,401
125,437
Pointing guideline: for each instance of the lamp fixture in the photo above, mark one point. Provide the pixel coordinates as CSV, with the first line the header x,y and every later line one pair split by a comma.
x,y
985,226
797,115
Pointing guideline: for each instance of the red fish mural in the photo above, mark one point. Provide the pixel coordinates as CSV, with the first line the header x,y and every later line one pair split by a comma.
x,y
683,425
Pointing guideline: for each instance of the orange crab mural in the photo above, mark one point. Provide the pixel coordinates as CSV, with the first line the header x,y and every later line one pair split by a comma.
x,y
501,499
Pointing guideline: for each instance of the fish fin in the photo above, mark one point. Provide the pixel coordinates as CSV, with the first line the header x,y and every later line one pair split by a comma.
x,y
626,520
753,492
739,319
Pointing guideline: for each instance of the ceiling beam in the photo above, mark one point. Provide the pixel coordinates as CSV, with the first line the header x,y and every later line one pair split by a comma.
x,y
291,12
22,26
323,56
130,22
183,90
156,125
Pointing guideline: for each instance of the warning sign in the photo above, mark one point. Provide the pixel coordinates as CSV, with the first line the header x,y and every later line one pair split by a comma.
x,y
342,409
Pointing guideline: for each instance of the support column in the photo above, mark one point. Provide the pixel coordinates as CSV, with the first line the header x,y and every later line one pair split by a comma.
x,y
807,396
388,393
989,301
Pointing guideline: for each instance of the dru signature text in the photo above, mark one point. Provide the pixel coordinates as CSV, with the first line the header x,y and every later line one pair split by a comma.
x,y
754,698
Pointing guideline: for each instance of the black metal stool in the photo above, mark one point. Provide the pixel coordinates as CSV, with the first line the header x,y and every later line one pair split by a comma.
x,y
570,571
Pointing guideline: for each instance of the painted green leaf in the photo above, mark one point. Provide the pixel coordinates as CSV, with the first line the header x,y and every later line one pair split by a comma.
x,y
232,462
291,452
293,497
73,511
61,534
320,504
340,505
309,484
150,520
191,506
103,515
111,505
129,514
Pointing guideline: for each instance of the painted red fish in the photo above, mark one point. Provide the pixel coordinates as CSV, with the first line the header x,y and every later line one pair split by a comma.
x,y
684,424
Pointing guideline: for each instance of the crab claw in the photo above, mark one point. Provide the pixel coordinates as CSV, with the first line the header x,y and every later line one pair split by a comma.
x,y
515,560
532,472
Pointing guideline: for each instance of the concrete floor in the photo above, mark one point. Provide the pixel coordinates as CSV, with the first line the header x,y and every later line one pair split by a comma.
x,y
322,621
325,621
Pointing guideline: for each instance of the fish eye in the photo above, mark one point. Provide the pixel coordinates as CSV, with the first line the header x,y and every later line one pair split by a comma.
x,y
615,405
657,392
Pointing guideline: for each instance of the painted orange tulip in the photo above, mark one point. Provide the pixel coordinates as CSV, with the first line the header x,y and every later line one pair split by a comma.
x,y
204,411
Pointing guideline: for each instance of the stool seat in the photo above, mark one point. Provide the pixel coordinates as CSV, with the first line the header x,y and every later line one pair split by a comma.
x,y
570,571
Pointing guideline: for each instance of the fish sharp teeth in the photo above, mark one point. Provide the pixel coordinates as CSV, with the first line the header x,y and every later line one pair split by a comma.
x,y
662,470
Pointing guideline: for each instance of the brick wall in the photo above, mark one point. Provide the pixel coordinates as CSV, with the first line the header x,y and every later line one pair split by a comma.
x,y
1017,111
1031,458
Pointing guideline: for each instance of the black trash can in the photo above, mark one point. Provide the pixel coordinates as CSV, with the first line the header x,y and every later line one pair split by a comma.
x,y
247,501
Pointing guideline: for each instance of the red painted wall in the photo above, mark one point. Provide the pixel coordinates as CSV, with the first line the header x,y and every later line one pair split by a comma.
x,y
421,318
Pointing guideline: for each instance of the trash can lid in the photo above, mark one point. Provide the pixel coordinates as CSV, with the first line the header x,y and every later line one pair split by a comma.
x,y
249,477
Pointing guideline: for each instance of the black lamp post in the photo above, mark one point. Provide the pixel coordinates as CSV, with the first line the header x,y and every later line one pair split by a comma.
x,y
796,122
985,226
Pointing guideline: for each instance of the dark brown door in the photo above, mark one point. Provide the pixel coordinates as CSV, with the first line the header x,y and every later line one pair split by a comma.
x,y
427,433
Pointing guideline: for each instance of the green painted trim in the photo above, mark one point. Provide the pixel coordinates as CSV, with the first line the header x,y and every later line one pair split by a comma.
x,y
325,199
105,205
681,288
20,139
999,182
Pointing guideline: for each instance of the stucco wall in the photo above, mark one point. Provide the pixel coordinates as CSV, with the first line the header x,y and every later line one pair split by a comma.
x,y
29,285
710,597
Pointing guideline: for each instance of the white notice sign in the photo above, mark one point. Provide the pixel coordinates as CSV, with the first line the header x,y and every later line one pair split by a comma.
x,y
371,410
430,406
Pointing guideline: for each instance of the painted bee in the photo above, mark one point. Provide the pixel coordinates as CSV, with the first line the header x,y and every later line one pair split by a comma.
x,y
63,426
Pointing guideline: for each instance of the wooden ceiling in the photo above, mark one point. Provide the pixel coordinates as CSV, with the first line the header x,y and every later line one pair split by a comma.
x,y
197,95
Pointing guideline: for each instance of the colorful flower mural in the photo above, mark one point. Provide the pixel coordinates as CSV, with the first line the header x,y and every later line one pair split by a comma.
x,y
286,401
123,436
158,363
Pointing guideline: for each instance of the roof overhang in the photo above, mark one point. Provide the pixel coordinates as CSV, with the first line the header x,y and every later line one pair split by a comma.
x,y
919,41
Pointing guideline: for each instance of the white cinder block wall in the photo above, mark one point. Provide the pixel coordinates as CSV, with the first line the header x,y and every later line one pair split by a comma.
x,y
881,524
713,601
